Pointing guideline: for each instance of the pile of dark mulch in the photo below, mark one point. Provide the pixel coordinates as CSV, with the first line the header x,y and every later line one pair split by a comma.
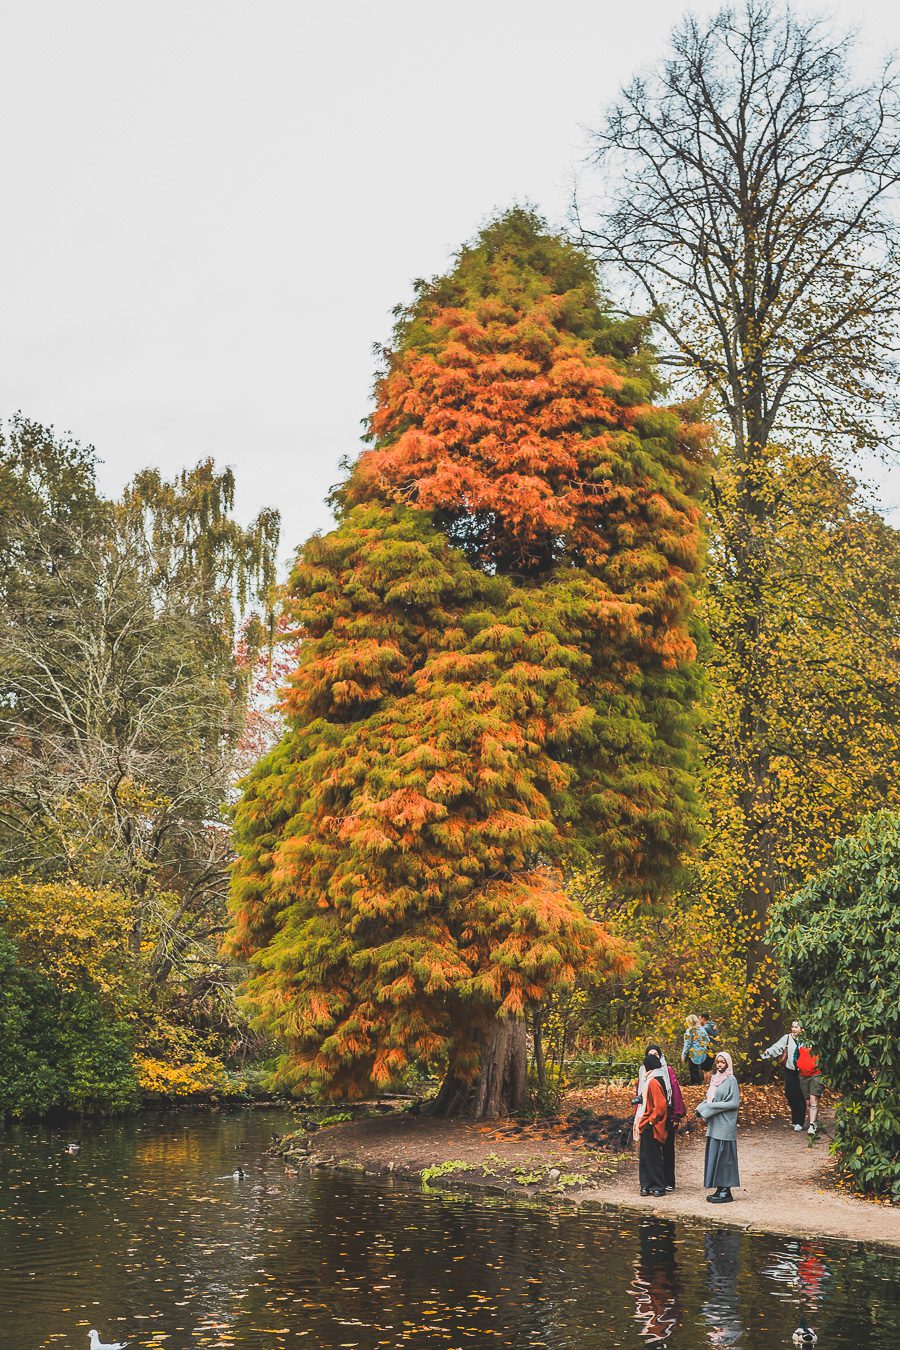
x,y
582,1125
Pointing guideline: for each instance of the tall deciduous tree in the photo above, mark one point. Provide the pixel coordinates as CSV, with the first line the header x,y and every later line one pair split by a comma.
x,y
752,183
122,697
827,665
829,674
495,671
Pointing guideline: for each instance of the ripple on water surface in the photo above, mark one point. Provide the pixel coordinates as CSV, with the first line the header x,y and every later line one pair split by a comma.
x,y
145,1234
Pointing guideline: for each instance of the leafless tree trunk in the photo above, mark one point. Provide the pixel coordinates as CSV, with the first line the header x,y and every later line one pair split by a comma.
x,y
537,1032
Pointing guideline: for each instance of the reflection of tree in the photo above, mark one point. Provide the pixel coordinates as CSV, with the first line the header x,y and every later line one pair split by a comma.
x,y
419,1270
655,1287
720,1310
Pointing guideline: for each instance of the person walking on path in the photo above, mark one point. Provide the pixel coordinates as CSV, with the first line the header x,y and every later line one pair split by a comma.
x,y
652,1128
811,1084
695,1048
676,1111
784,1052
720,1111
712,1032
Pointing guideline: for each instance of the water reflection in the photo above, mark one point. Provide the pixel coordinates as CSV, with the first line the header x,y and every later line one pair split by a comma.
x,y
146,1235
655,1287
801,1273
721,1310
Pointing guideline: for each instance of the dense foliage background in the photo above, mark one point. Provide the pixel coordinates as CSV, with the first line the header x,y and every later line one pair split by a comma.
x,y
123,688
838,943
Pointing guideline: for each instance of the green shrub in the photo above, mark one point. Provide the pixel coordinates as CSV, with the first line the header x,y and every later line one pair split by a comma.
x,y
838,942
61,1047
444,1169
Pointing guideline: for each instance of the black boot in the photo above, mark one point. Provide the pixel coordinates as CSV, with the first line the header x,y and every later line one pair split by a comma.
x,y
722,1196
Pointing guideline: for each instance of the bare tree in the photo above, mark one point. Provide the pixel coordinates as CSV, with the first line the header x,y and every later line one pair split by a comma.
x,y
126,646
117,740
750,187
748,204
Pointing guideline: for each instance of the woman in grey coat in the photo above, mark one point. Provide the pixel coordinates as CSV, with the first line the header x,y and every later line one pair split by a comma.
x,y
720,1111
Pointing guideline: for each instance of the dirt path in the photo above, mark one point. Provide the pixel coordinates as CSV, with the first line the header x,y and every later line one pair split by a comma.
x,y
787,1180
787,1186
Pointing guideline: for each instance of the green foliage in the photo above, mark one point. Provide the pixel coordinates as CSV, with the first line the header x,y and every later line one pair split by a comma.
x,y
125,654
589,1070
443,1169
567,1179
838,941
48,496
525,1177
521,1175
203,561
496,674
62,1047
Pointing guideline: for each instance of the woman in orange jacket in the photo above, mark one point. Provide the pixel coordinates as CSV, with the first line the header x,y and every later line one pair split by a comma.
x,y
653,1128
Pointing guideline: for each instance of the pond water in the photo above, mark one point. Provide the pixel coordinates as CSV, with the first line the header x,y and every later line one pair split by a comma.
x,y
145,1235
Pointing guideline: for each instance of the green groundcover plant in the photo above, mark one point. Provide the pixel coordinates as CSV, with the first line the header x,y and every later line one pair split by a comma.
x,y
838,942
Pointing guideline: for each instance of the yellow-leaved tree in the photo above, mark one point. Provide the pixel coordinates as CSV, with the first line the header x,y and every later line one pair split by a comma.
x,y
807,715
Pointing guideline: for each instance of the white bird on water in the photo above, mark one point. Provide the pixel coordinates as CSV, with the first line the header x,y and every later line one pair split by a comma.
x,y
804,1335
97,1344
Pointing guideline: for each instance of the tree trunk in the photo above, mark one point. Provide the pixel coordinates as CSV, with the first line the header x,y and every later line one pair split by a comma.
x,y
537,1032
501,1086
761,880
453,1098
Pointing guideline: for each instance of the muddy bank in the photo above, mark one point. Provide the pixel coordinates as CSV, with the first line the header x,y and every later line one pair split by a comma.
x,y
787,1180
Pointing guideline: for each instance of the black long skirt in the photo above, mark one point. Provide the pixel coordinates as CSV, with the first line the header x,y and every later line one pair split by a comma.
x,y
668,1150
651,1170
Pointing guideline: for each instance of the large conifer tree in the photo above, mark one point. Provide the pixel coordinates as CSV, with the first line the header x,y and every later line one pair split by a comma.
x,y
495,674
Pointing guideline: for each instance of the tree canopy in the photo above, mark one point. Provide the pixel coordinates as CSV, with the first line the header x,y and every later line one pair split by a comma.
x,y
495,670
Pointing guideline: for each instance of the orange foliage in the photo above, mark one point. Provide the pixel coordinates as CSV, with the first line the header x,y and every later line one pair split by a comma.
x,y
494,672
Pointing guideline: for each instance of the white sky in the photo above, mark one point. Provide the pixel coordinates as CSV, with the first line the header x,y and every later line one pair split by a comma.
x,y
211,206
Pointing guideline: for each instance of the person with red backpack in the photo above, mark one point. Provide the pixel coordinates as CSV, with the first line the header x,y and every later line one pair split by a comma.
x,y
784,1052
811,1084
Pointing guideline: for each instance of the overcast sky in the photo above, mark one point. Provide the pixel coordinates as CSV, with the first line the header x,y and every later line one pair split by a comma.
x,y
212,206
